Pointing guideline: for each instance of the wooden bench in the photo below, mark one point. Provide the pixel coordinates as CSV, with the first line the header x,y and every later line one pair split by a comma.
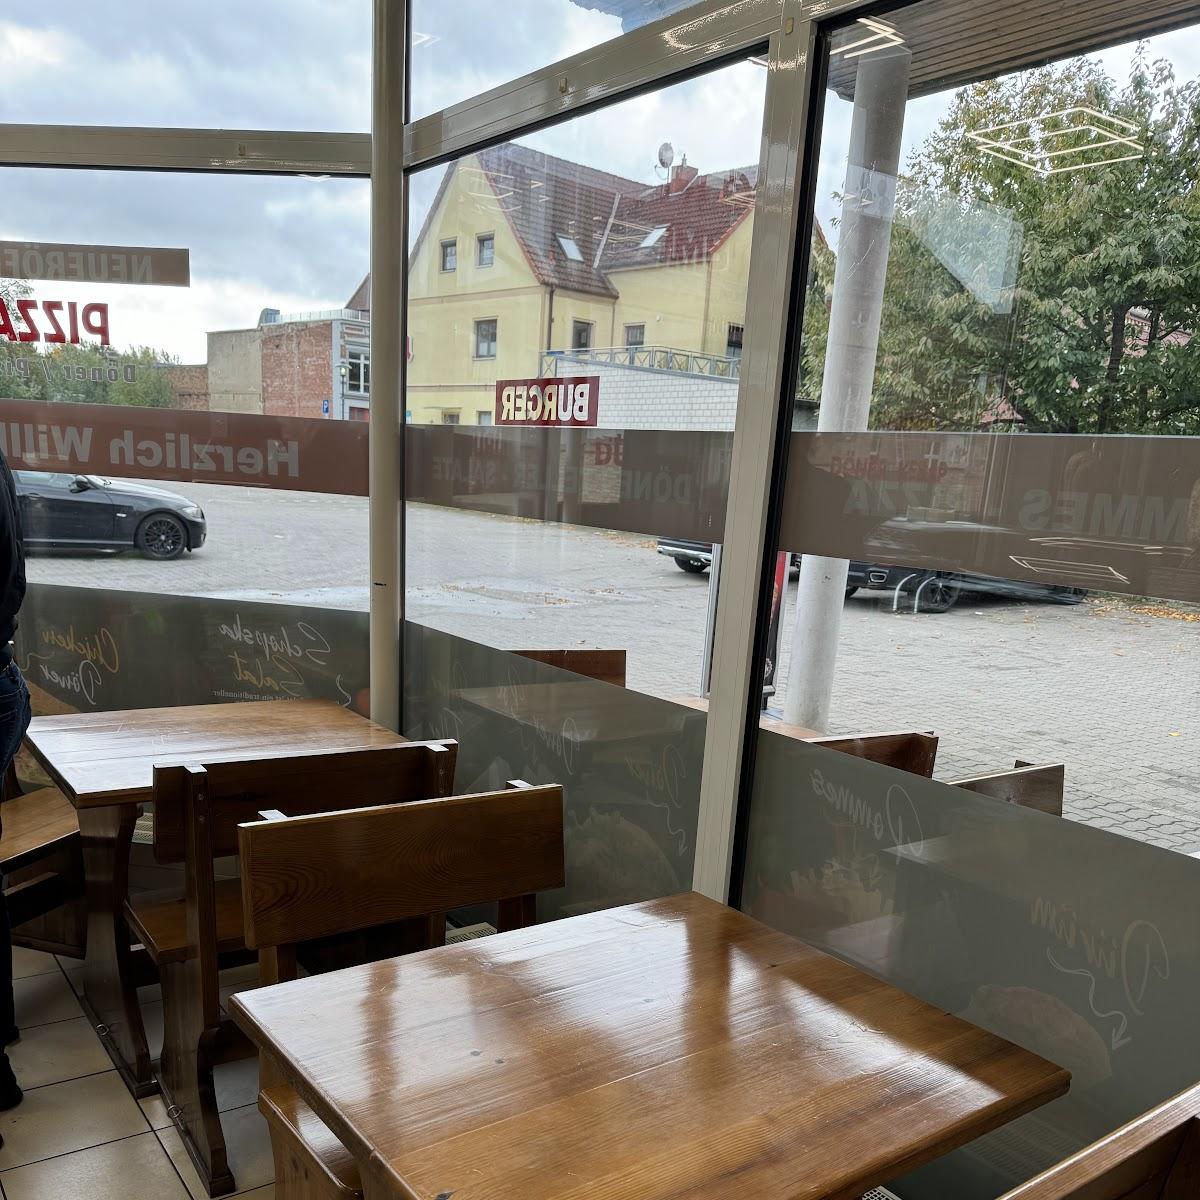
x,y
1026,785
42,864
608,666
197,812
906,751
1155,1157
394,863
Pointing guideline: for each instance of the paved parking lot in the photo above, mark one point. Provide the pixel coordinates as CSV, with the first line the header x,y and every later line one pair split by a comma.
x,y
1111,691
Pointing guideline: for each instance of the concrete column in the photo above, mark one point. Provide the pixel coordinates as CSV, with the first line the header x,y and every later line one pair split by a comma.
x,y
864,241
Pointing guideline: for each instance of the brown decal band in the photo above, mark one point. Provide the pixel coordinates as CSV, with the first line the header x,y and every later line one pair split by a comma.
x,y
1118,514
291,453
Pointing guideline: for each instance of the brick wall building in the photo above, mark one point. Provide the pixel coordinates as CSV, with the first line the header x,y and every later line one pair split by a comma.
x,y
189,385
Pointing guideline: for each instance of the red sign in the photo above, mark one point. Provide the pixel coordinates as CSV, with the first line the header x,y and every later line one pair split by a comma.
x,y
55,322
571,400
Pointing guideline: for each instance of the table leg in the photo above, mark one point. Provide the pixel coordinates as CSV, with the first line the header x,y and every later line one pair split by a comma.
x,y
111,970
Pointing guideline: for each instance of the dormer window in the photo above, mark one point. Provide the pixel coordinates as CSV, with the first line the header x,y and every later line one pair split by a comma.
x,y
569,248
653,237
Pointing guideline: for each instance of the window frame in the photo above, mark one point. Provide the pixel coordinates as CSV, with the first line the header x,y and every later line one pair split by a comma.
x,y
580,323
495,324
480,239
451,245
641,341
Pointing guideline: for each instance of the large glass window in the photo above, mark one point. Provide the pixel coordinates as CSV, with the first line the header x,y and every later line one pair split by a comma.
x,y
461,49
550,626
974,779
220,65
177,358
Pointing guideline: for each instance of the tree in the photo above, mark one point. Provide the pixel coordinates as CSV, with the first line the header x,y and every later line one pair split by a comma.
x,y
1099,336
86,374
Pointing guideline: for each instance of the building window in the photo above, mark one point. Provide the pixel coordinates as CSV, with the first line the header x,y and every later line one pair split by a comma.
x,y
652,238
358,372
486,247
733,342
570,248
581,335
484,416
450,255
635,335
485,338
449,418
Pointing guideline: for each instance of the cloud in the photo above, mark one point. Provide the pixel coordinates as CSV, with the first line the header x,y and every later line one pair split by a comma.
x,y
305,64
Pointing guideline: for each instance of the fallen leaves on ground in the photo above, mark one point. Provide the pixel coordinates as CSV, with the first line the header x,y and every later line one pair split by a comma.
x,y
1163,610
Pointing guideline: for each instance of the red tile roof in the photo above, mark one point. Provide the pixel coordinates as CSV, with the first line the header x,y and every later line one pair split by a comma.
x,y
608,217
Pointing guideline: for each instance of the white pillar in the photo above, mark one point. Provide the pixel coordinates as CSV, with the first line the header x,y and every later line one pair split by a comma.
x,y
386,438
865,233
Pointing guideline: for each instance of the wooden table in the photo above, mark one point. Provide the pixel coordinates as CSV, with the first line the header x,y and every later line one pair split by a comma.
x,y
668,1049
104,763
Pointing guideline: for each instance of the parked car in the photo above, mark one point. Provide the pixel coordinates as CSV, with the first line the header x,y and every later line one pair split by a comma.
x,y
939,591
87,512
695,557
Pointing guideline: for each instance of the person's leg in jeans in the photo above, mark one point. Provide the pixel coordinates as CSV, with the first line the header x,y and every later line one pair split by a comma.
x,y
14,720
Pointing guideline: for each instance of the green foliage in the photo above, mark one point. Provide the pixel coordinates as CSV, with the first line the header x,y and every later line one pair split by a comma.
x,y
1098,336
86,374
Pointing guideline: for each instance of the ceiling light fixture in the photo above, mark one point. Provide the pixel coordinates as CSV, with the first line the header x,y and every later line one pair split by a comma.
x,y
881,35
1095,139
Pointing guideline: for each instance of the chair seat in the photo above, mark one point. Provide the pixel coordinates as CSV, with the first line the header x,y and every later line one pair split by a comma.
x,y
159,921
35,823
316,1155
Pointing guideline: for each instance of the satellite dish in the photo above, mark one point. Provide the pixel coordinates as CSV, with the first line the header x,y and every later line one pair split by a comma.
x,y
666,155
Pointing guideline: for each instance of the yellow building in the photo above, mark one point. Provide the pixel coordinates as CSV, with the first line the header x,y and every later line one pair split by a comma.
x,y
524,254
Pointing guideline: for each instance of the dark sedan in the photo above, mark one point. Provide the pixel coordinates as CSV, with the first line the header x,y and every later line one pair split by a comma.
x,y
939,591
87,512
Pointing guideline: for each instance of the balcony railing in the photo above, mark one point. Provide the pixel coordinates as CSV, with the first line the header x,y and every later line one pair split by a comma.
x,y
649,358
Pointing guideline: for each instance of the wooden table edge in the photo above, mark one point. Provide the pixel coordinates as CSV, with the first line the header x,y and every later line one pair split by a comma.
x,y
1052,1086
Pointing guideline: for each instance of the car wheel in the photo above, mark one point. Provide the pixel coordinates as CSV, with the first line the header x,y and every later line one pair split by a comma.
x,y
851,590
162,536
692,566
937,593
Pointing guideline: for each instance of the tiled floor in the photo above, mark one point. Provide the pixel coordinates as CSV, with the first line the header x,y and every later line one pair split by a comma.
x,y
79,1135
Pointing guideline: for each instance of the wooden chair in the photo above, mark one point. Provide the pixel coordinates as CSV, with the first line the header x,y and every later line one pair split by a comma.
x,y
393,863
1155,1157
42,864
912,752
1029,786
197,811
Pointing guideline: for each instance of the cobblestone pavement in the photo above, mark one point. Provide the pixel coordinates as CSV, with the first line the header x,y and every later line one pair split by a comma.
x,y
1111,692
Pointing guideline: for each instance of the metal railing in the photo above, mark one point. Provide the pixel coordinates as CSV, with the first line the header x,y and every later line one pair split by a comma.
x,y
649,358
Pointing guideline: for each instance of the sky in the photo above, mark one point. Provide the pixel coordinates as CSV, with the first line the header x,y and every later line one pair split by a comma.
x,y
302,244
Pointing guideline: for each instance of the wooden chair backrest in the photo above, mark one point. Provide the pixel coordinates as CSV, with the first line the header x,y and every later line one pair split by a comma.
x,y
1028,786
907,751
311,877
239,789
608,666
209,801
1155,1157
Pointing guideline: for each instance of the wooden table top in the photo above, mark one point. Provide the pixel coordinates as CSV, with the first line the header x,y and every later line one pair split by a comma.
x,y
667,1049
109,757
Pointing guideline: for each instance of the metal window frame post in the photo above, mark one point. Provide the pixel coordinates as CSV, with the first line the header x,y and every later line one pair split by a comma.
x,y
389,271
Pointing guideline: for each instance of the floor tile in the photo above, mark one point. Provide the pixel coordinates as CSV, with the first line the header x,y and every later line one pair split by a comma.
x,y
237,1087
44,998
248,1144
63,1117
52,1053
262,1193
135,1168
32,962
